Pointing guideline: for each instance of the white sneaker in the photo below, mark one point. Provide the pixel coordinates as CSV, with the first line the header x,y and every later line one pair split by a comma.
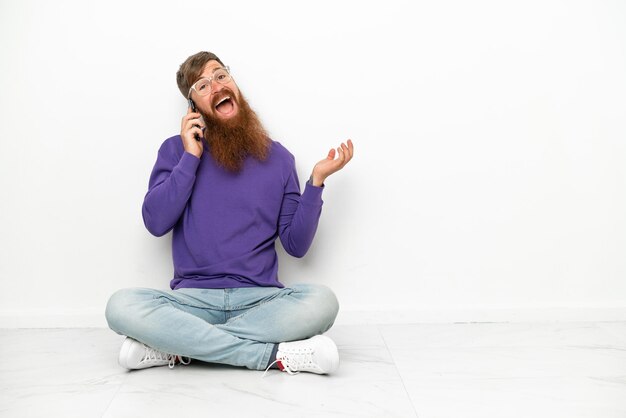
x,y
135,355
316,355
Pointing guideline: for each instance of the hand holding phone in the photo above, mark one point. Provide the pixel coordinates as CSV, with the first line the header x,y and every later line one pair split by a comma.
x,y
192,105
191,131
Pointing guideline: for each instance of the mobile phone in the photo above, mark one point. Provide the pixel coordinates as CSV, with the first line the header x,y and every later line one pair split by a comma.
x,y
192,105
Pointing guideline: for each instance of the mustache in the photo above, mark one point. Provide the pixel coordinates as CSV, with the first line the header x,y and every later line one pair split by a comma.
x,y
223,93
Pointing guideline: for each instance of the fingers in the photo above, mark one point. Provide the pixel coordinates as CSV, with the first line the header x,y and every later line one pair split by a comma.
x,y
189,121
193,123
330,164
195,130
348,149
342,156
190,116
191,132
345,153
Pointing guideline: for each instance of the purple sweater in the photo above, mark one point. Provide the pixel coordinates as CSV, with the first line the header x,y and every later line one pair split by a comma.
x,y
225,224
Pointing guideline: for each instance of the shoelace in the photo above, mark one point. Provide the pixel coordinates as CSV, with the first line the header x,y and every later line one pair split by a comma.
x,y
153,355
172,362
269,367
294,361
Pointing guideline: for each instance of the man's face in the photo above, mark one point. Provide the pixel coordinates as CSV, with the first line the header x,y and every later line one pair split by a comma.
x,y
213,104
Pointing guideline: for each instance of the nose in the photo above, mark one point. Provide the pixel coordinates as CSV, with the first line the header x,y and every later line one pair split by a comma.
x,y
216,87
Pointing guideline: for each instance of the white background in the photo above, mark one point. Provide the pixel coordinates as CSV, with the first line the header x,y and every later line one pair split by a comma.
x,y
489,174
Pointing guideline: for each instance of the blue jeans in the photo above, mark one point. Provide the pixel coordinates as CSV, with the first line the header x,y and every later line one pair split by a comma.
x,y
238,326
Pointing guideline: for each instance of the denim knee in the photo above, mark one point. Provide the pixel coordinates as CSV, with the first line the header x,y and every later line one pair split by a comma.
x,y
323,302
118,309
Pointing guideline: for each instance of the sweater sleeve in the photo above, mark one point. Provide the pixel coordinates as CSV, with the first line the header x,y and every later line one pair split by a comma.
x,y
169,189
299,215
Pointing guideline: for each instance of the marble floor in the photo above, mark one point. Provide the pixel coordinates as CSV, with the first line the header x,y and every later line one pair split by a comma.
x,y
421,370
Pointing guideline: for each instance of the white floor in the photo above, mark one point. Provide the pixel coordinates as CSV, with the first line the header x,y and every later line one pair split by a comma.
x,y
456,370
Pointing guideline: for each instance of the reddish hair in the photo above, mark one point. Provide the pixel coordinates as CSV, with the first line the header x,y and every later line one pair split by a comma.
x,y
191,69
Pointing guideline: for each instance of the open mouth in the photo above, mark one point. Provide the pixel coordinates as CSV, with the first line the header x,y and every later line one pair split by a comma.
x,y
225,106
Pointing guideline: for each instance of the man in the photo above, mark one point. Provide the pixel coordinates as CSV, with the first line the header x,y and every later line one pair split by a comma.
x,y
228,191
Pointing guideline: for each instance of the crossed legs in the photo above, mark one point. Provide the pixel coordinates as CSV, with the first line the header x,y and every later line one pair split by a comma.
x,y
239,326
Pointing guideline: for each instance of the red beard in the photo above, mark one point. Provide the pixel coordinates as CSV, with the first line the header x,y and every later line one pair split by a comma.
x,y
231,141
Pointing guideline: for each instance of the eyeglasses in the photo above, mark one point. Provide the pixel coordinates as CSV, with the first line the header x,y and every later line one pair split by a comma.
x,y
203,86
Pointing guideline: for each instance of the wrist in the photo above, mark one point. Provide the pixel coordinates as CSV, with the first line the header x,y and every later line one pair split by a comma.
x,y
316,180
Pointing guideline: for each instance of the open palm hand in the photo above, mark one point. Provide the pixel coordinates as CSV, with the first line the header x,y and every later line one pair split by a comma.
x,y
330,164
